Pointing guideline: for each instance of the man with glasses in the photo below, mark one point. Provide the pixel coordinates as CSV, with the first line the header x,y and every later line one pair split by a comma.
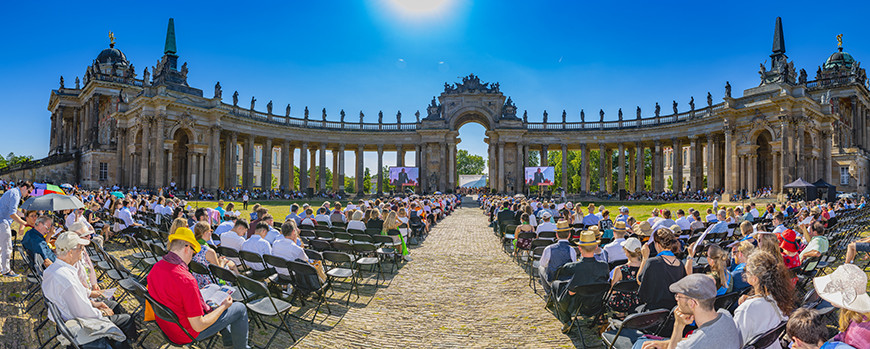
x,y
171,284
34,241
8,214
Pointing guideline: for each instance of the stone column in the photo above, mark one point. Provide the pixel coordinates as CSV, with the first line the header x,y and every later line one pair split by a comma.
x,y
659,167
631,176
501,181
335,170
565,183
799,153
522,153
303,166
730,162
214,159
544,155
145,159
827,159
157,153
777,180
677,165
695,166
248,163
417,160
360,171
442,155
584,168
400,156
621,175
602,165
753,172
640,176
341,187
321,175
230,180
711,165
451,168
286,165
169,166
380,169
608,154
266,165
119,155
312,172
490,162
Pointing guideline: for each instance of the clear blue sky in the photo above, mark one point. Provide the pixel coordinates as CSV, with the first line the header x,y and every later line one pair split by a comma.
x,y
378,55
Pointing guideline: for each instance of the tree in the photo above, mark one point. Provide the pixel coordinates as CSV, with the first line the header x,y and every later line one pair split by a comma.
x,y
534,158
274,181
367,180
469,164
349,184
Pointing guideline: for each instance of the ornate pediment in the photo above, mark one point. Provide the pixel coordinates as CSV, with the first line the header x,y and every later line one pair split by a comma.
x,y
471,84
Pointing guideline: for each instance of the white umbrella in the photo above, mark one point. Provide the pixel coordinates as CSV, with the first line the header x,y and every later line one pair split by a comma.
x,y
52,202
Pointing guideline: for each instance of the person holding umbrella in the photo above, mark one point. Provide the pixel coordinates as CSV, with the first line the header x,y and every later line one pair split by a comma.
x,y
8,214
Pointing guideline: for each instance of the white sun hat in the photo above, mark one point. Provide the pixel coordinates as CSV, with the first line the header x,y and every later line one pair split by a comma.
x,y
845,288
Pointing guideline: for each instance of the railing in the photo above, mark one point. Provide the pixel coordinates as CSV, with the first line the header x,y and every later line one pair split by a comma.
x,y
626,123
120,80
50,160
315,123
822,83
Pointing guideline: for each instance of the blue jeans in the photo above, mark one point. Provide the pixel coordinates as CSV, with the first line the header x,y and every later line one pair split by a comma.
x,y
233,323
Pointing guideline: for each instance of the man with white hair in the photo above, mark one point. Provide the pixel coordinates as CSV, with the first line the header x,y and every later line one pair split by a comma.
x,y
61,286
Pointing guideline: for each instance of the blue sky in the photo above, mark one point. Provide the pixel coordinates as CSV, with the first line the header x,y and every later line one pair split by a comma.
x,y
378,55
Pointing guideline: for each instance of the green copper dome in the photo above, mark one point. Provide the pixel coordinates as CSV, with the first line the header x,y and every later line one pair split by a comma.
x,y
839,60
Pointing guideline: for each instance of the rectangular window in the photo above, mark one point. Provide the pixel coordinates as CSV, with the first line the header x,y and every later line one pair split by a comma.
x,y
104,171
238,158
844,176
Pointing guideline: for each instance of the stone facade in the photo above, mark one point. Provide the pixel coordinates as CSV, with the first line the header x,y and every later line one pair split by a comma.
x,y
154,131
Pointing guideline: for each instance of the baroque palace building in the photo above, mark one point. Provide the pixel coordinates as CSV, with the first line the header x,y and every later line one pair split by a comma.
x,y
116,127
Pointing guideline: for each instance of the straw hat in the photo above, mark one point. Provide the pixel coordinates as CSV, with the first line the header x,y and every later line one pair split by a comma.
x,y
562,225
186,235
619,226
588,238
596,230
642,228
845,288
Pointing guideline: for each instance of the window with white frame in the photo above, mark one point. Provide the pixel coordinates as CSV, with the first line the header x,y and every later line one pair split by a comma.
x,y
844,175
104,171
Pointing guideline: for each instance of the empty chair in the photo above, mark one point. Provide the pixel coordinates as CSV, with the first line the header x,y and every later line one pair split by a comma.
x,y
266,306
342,268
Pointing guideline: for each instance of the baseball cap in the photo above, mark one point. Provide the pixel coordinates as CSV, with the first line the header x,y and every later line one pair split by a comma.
x,y
697,286
68,241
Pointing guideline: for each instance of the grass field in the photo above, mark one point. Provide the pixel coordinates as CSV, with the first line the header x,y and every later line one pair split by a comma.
x,y
638,209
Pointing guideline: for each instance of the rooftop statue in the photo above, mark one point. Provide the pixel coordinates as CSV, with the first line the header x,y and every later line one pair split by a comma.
x,y
287,110
709,99
361,115
658,109
217,88
692,103
638,112
184,70
146,76
727,89
619,114
253,101
675,108
341,113
417,115
306,112
582,116
269,107
61,81
601,115
399,117
545,116
803,77
380,116
525,116
323,114
236,98
77,83
564,116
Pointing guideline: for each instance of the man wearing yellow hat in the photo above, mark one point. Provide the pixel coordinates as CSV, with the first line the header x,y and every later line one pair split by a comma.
x,y
171,284
586,271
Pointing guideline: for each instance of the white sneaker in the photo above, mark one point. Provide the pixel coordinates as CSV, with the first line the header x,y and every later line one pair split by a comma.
x,y
408,258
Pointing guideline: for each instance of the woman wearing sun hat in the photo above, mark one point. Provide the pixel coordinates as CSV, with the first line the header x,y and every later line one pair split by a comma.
x,y
846,288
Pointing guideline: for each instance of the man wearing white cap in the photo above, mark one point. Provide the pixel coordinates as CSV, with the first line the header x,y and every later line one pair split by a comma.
x,y
546,224
61,286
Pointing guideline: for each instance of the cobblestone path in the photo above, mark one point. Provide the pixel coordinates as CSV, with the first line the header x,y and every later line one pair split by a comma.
x,y
460,291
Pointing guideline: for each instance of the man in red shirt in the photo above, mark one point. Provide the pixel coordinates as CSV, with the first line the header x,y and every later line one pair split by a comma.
x,y
171,284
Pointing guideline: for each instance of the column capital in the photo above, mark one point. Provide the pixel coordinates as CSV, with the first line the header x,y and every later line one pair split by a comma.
x,y
285,143
305,144
322,146
341,147
380,148
693,138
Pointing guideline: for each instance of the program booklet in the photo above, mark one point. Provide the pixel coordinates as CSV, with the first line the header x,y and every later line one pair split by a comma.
x,y
214,295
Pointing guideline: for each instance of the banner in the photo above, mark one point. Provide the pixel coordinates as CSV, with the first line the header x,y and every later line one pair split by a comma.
x,y
540,175
404,176
472,181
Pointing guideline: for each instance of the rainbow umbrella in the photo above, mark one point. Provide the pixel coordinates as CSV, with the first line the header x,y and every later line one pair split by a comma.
x,y
40,189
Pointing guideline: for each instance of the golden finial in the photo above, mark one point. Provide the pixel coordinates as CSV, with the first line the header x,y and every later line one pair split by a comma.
x,y
839,40
111,39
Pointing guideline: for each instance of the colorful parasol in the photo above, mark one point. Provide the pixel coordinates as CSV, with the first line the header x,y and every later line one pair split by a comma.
x,y
40,189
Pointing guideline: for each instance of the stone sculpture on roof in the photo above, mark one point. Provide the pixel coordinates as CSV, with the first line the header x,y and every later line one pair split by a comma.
x,y
217,89
471,84
269,107
253,102
341,113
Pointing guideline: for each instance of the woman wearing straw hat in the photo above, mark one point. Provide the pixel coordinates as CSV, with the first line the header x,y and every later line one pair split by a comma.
x,y
846,288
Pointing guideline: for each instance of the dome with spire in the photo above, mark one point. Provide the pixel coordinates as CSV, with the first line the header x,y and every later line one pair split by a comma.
x,y
111,55
839,60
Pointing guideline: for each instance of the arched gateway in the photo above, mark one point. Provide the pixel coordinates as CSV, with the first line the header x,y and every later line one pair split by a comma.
x,y
154,131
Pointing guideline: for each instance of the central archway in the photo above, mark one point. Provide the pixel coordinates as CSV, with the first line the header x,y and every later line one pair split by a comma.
x,y
472,146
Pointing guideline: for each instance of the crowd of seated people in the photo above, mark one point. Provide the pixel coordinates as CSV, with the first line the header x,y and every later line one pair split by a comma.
x,y
758,258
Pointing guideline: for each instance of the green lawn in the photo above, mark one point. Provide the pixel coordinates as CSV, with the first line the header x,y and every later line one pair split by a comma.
x,y
638,209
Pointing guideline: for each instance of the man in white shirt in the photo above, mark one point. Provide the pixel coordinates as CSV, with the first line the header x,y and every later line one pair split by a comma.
x,y
61,286
711,217
322,217
613,250
125,215
288,249
682,220
546,223
235,238
227,225
754,210
272,235
665,222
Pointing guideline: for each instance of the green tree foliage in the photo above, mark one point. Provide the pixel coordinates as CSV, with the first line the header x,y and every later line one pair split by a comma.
x,y
367,180
349,184
534,158
469,164
12,159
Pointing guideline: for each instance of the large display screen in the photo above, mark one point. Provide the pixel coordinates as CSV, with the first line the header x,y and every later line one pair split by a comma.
x,y
403,176
540,175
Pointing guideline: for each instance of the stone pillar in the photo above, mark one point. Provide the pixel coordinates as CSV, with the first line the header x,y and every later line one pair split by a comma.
x,y
621,175
451,168
248,163
286,165
777,180
584,168
799,154
640,176
157,153
303,166
417,160
360,171
522,153
169,165
827,159
565,183
266,165
711,165
312,170
695,166
380,169
659,168
501,181
400,156
119,155
145,159
321,173
335,170
442,179
730,163
608,154
214,159
602,165
490,162
543,155
631,175
677,165
341,151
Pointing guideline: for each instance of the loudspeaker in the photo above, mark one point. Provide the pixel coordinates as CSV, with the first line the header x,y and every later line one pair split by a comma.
x,y
623,194
309,192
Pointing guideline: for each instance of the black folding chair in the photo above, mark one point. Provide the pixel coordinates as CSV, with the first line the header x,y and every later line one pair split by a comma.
x,y
343,267
623,334
364,251
766,339
266,306
250,259
64,331
306,281
164,313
